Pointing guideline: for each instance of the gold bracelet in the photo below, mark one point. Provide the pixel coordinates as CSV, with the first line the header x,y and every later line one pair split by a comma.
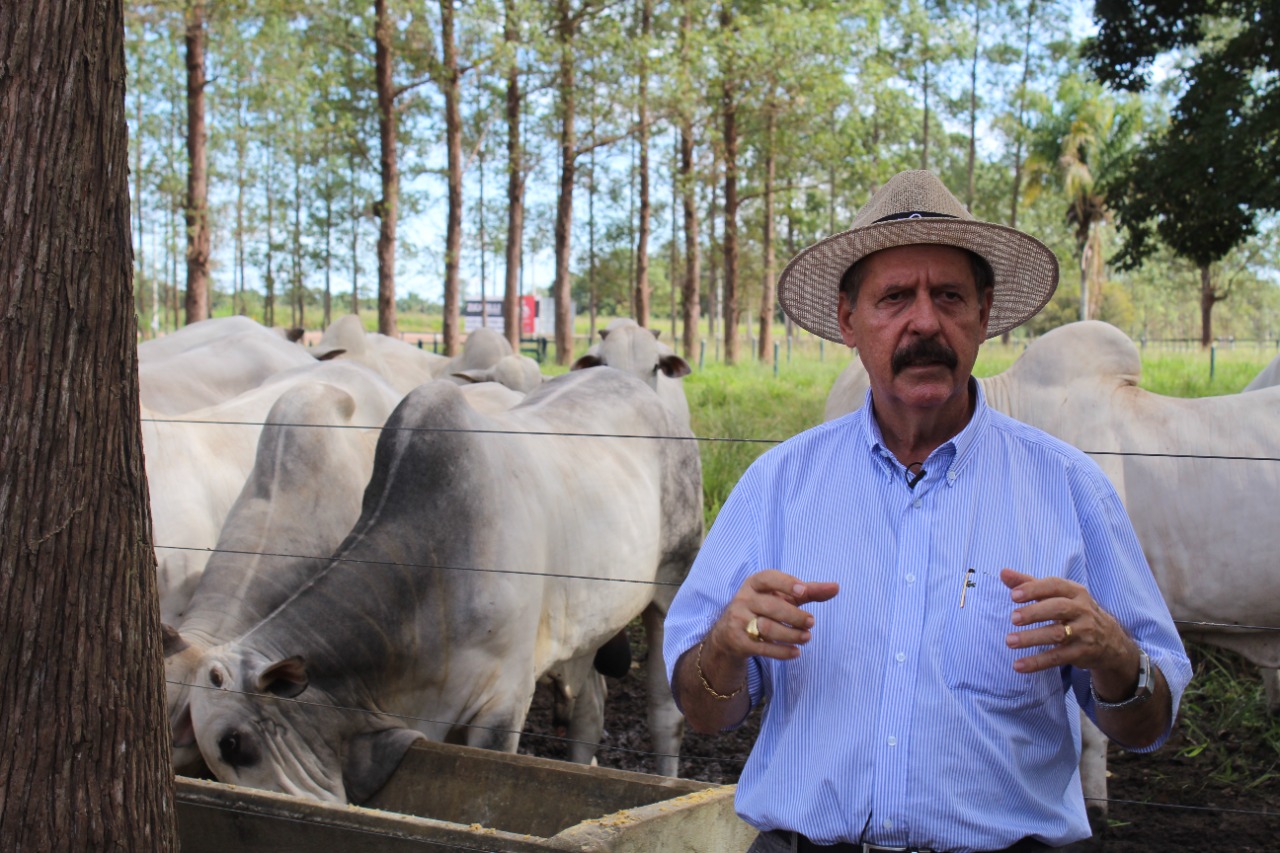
x,y
706,684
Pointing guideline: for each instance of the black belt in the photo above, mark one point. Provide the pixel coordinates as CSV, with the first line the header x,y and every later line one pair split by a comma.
x,y
804,845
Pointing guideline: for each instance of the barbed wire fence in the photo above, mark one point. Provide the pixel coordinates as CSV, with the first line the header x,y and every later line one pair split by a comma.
x,y
413,721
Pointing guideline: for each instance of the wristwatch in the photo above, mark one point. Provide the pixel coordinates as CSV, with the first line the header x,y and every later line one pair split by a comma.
x,y
1146,683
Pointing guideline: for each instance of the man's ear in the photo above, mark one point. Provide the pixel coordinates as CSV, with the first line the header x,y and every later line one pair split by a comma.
x,y
844,316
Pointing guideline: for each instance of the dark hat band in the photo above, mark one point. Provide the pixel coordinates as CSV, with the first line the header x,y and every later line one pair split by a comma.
x,y
913,214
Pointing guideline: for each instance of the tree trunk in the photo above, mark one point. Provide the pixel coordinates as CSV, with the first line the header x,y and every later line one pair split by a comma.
x,y
642,242
692,251
388,207
453,145
564,204
197,207
1085,247
766,238
924,136
729,117
86,762
973,102
729,311
515,183
1207,298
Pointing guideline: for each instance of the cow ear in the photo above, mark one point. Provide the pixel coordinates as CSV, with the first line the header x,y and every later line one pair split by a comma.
x,y
372,758
604,333
172,642
286,678
587,361
330,355
674,366
475,375
657,333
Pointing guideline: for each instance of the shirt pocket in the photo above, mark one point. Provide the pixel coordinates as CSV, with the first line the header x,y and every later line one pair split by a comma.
x,y
977,659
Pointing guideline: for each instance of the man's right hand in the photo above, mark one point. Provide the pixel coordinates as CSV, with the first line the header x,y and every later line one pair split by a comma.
x,y
710,677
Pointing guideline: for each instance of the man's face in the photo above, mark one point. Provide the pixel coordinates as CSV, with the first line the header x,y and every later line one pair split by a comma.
x,y
917,323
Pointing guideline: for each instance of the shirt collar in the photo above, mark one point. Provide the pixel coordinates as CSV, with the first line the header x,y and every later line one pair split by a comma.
x,y
959,448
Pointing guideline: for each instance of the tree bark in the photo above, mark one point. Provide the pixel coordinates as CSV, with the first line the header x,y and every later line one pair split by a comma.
x,y
515,183
1207,298
86,762
197,207
565,31
729,303
642,293
973,103
766,239
453,145
388,207
692,251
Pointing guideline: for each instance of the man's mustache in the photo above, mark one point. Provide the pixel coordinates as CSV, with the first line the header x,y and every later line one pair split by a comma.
x,y
923,352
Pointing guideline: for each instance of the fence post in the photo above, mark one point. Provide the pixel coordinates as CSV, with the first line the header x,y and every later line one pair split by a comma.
x,y
775,359
1213,353
822,350
702,352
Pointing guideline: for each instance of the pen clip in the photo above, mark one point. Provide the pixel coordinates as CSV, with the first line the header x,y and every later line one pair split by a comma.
x,y
968,582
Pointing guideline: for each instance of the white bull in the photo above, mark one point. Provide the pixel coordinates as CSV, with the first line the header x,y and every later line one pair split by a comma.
x,y
403,365
196,465
487,554
313,461
210,362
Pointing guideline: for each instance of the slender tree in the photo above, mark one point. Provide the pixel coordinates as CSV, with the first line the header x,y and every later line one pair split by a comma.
x,y
86,761
197,206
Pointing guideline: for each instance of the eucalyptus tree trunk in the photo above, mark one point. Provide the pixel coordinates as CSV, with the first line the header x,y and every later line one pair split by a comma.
x,y
388,207
973,102
515,182
766,238
692,251
197,206
729,311
642,293
729,141
1208,296
85,764
453,145
566,26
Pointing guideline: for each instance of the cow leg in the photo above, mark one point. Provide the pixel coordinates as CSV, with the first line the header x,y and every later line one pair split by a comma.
x,y
1093,773
586,722
497,725
666,723
1271,685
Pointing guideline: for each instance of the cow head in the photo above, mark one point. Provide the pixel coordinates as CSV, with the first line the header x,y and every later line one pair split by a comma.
x,y
256,728
181,659
635,350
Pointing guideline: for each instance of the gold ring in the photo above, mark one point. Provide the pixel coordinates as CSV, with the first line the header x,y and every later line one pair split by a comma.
x,y
1066,634
753,630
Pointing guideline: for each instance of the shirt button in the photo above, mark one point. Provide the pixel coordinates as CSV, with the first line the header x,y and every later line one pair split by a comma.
x,y
900,657
888,824
911,578
951,475
917,503
893,741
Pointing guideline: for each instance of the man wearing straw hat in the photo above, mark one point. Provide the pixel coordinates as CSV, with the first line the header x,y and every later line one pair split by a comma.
x,y
925,592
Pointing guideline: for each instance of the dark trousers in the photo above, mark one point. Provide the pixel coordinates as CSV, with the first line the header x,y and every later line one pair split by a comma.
x,y
779,841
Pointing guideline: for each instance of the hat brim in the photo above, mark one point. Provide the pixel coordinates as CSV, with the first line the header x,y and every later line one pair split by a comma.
x,y
1026,271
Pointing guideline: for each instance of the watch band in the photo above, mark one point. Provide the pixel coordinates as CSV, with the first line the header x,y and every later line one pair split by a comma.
x,y
1146,683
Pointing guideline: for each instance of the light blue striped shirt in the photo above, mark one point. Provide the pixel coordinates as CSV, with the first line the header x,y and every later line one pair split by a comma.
x,y
903,720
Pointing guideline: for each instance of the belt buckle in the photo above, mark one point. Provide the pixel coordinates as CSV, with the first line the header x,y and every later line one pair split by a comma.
x,y
880,848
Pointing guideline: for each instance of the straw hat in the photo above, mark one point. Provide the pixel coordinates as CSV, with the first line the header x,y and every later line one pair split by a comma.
x,y
911,209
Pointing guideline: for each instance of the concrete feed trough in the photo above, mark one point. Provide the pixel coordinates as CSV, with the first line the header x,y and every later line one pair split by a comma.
x,y
455,798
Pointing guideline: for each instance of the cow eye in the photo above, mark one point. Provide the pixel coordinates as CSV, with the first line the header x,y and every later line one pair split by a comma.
x,y
215,678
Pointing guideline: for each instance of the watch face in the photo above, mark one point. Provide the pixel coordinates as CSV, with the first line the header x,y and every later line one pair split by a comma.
x,y
1146,678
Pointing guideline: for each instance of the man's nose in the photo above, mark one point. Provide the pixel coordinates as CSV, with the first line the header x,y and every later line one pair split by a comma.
x,y
924,319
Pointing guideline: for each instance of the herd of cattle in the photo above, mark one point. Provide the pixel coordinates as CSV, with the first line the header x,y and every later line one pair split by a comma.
x,y
417,542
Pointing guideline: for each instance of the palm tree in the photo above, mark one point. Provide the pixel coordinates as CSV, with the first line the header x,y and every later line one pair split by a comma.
x,y
1079,145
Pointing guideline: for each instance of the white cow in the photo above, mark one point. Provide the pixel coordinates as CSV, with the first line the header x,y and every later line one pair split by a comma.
x,y
196,465
401,364
517,372
633,349
487,554
313,461
1182,468
209,362
1268,377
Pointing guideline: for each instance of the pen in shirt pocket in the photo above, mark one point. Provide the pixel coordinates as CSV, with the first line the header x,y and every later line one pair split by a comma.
x,y
968,582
